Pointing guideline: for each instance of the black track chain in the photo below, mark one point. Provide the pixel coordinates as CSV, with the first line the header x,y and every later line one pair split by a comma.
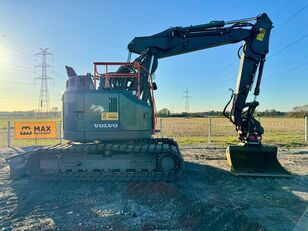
x,y
160,146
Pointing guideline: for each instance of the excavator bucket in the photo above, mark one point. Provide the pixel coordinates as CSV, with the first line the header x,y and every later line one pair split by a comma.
x,y
255,160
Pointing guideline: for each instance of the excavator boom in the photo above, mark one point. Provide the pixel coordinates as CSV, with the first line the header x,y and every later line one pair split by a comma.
x,y
250,157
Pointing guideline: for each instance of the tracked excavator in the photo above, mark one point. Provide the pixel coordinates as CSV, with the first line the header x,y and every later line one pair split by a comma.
x,y
109,117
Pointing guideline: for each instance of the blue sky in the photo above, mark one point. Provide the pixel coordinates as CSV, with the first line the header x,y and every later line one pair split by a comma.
x,y
81,32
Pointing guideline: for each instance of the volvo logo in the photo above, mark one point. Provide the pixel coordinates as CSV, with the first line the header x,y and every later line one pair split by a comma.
x,y
107,125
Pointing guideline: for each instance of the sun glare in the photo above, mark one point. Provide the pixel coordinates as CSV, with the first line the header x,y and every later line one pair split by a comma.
x,y
5,58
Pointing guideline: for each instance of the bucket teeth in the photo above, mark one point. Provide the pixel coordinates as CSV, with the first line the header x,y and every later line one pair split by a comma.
x,y
255,160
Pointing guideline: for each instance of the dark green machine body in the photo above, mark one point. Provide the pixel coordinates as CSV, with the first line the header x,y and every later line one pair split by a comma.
x,y
103,114
110,132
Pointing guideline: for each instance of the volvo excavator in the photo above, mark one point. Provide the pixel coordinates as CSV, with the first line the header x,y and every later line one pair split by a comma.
x,y
109,117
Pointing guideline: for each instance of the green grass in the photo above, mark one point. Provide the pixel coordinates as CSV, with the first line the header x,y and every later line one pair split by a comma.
x,y
284,132
275,132
274,137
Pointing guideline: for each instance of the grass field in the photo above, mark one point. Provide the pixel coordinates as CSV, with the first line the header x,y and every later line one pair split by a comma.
x,y
280,131
287,132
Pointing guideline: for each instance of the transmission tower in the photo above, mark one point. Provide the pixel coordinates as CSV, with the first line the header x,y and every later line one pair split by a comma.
x,y
44,104
187,98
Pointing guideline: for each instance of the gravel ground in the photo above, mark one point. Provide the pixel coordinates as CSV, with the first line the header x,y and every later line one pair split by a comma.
x,y
207,197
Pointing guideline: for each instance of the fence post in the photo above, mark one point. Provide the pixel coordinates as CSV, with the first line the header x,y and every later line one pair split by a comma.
x,y
306,128
60,132
9,133
161,126
210,130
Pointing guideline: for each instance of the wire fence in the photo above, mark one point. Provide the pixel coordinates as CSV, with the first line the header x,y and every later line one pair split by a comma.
x,y
7,136
211,130
285,131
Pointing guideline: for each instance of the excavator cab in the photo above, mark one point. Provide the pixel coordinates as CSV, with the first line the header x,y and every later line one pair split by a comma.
x,y
254,160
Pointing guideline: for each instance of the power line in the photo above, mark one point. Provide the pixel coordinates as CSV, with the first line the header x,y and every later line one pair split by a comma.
x,y
27,53
270,76
18,50
59,64
61,76
210,80
58,86
220,84
214,76
15,69
44,104
274,8
10,81
277,52
290,18
276,74
28,98
289,45
280,26
18,56
282,49
287,70
187,98
13,66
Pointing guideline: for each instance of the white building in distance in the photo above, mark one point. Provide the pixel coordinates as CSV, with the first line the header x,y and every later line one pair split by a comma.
x,y
303,108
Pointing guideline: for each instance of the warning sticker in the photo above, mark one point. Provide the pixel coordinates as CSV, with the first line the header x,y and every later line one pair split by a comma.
x,y
261,34
110,116
36,130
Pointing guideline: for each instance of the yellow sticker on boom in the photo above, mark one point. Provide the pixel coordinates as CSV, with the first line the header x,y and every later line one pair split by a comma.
x,y
110,116
261,34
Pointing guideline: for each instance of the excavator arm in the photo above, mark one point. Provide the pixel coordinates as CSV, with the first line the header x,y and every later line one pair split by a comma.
x,y
250,157
180,40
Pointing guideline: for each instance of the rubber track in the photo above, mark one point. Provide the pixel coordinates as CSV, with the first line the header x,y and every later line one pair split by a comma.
x,y
159,146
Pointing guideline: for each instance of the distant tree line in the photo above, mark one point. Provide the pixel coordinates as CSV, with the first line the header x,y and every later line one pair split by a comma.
x,y
54,112
274,113
297,114
271,113
165,112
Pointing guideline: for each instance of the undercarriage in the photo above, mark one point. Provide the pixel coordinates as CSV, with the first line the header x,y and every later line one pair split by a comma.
x,y
152,159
